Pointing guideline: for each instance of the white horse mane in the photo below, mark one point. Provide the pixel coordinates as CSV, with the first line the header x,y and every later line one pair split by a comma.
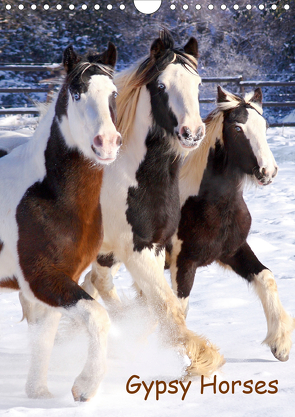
x,y
233,101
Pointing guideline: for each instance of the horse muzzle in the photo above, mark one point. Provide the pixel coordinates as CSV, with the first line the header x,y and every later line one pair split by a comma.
x,y
265,176
106,148
188,140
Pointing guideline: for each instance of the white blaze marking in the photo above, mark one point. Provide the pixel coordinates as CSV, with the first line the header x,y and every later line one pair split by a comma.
x,y
255,130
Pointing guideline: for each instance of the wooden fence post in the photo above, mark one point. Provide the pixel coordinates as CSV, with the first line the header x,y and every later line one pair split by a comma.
x,y
242,89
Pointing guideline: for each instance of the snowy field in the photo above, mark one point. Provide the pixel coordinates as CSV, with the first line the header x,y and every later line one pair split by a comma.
x,y
223,307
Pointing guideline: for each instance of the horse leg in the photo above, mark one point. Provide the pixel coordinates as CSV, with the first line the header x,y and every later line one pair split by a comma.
x,y
99,282
97,323
147,270
280,325
183,271
68,298
43,322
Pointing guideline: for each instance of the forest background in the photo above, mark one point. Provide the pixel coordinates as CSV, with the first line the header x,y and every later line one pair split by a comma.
x,y
257,44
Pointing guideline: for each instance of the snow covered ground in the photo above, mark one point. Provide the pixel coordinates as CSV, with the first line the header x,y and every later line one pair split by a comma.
x,y
223,307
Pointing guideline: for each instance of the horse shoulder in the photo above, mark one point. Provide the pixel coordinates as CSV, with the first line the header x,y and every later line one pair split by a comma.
x,y
242,218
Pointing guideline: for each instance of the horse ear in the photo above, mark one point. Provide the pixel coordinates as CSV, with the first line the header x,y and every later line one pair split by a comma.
x,y
257,96
157,49
192,48
70,59
221,95
109,57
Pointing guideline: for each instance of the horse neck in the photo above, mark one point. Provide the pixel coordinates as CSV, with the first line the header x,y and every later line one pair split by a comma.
x,y
42,132
195,163
34,149
222,180
69,174
210,167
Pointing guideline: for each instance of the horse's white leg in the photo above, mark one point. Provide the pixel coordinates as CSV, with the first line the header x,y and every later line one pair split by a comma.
x,y
147,270
99,282
43,322
280,325
97,323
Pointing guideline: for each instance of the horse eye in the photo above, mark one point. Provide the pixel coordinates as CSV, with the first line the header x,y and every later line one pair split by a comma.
x,y
115,94
161,86
76,96
238,128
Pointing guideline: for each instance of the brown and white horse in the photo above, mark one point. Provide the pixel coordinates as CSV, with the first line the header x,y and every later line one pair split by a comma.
x,y
215,220
51,225
158,116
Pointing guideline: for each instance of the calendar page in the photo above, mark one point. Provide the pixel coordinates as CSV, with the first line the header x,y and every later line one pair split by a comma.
x,y
211,333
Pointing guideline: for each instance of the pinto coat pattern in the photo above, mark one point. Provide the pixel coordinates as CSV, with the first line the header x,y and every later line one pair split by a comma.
x,y
158,116
215,220
51,227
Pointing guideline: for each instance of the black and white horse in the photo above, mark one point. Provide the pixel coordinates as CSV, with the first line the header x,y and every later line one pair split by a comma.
x,y
51,226
158,116
215,220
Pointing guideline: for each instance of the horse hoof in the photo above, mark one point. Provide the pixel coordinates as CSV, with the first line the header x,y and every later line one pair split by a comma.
x,y
78,396
204,356
281,356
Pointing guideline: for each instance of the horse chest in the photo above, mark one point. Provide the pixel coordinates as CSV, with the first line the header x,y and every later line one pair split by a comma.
x,y
62,227
153,206
213,230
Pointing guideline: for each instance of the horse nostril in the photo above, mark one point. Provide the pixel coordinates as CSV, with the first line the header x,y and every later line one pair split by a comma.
x,y
263,171
185,132
98,141
275,172
119,140
201,131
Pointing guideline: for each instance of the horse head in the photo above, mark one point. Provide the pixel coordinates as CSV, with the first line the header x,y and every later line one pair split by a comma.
x,y
244,135
175,86
86,106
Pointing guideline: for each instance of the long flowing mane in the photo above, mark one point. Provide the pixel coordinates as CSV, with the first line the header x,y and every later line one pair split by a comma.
x,y
130,81
196,162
